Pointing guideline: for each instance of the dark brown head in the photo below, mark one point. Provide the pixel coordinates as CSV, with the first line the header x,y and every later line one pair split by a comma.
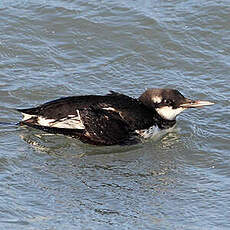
x,y
169,102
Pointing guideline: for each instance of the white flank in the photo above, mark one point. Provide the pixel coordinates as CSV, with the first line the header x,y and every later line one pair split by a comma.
x,y
44,121
168,113
27,116
69,123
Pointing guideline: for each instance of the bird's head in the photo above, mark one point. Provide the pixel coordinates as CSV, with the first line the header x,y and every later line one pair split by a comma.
x,y
168,103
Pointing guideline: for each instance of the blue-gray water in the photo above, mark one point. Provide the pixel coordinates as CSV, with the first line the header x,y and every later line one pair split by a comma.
x,y
50,49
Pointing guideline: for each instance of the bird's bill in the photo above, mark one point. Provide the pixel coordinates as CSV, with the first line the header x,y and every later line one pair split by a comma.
x,y
195,104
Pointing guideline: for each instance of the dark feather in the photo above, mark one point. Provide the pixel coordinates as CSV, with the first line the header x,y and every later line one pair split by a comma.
x,y
108,120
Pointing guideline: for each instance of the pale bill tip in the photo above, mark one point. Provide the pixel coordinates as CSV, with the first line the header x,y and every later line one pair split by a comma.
x,y
197,104
202,103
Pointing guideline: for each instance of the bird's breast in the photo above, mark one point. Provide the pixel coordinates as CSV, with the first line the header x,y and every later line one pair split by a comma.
x,y
153,132
148,133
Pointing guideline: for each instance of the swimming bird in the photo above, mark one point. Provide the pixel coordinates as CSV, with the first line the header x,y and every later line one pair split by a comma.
x,y
110,119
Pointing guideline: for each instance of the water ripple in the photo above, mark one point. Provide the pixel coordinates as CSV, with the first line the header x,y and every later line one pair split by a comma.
x,y
56,48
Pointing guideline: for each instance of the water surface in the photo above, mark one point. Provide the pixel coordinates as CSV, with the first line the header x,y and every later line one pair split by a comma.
x,y
50,49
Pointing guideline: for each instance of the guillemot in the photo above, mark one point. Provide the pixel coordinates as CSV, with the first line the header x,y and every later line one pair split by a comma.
x,y
109,119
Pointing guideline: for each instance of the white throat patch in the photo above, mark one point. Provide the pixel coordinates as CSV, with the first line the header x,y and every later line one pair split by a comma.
x,y
168,113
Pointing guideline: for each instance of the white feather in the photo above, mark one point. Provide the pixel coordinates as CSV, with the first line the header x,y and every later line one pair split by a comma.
x,y
44,121
110,109
69,123
167,112
157,99
27,116
148,133
154,132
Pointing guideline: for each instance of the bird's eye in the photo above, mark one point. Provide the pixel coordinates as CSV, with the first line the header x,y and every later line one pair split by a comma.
x,y
168,102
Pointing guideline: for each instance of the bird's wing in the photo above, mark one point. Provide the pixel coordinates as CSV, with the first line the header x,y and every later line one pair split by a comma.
x,y
92,121
105,127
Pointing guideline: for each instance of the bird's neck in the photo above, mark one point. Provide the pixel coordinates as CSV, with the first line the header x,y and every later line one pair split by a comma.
x,y
166,124
163,123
